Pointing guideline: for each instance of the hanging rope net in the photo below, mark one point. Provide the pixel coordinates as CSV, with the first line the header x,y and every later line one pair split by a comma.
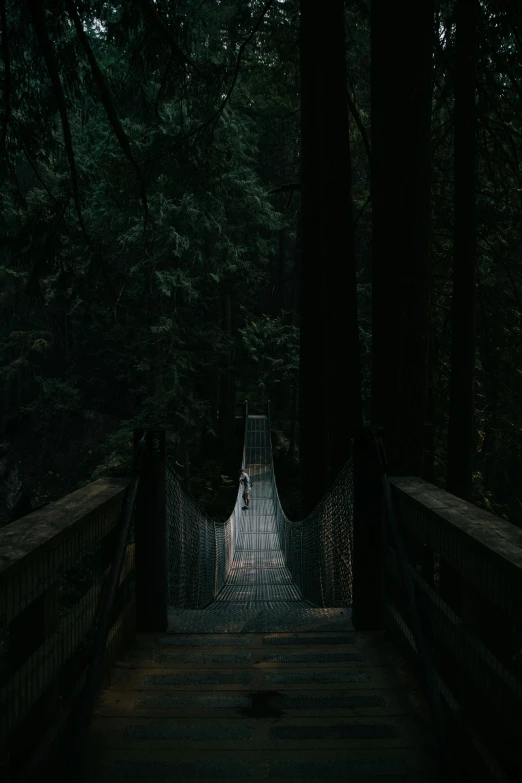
x,y
259,558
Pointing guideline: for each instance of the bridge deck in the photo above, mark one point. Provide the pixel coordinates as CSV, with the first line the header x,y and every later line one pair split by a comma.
x,y
301,707
261,684
259,595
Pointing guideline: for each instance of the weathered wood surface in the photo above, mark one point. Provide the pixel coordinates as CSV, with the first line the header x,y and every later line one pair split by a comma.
x,y
498,687
225,706
39,547
44,559
485,550
50,524
35,675
490,765
469,612
503,539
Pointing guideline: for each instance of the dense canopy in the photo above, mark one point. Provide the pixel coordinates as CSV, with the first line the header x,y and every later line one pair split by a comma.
x,y
150,225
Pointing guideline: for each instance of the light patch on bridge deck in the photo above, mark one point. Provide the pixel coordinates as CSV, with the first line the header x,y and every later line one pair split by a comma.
x,y
259,594
259,574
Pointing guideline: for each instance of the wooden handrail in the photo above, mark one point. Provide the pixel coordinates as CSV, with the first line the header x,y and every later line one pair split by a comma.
x,y
466,565
53,566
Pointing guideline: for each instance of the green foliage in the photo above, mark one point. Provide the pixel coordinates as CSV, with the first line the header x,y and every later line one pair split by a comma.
x,y
117,460
56,395
126,319
129,317
498,412
216,492
274,347
484,498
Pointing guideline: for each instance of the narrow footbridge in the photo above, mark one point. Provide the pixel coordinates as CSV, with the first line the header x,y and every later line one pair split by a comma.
x,y
379,638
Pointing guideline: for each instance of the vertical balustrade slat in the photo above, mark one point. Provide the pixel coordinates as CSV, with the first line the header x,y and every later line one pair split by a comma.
x,y
151,537
368,534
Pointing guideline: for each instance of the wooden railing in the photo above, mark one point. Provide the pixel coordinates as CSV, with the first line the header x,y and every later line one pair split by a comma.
x,y
53,567
466,565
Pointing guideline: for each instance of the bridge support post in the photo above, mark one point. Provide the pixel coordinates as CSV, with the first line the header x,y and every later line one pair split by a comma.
x,y
150,536
368,534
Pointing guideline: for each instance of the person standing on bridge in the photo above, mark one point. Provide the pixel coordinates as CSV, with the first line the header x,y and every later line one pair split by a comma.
x,y
244,479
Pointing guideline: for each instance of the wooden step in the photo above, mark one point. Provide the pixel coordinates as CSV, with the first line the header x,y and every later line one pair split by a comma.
x,y
225,704
313,765
289,706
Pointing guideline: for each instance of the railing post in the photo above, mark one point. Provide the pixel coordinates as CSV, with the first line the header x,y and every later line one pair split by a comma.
x,y
368,534
150,536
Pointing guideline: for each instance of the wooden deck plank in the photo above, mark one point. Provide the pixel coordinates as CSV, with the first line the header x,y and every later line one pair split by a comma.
x,y
363,703
352,764
260,689
163,729
285,733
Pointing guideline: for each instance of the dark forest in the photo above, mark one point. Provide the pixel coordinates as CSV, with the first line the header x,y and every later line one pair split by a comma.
x,y
260,382
167,238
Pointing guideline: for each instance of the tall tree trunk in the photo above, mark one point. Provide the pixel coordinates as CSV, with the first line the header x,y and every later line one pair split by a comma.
x,y
401,226
342,329
152,347
295,320
186,457
312,399
6,396
281,392
227,400
491,337
296,272
210,392
428,462
330,362
460,430
293,421
276,297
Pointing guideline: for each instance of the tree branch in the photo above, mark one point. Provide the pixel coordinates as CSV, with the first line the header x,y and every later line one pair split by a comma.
x,y
215,117
38,17
7,72
35,170
167,35
107,101
502,67
359,215
285,188
362,130
162,85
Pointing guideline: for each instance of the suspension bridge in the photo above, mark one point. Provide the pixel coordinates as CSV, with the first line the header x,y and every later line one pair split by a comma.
x,y
376,639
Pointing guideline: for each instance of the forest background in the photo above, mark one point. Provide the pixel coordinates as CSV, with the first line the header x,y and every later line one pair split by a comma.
x,y
150,239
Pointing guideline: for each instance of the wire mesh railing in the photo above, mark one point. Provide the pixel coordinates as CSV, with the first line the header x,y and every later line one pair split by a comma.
x,y
200,550
318,550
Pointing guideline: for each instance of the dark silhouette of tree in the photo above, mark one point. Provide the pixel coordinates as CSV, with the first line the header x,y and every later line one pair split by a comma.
x,y
461,445
330,402
343,372
401,176
313,304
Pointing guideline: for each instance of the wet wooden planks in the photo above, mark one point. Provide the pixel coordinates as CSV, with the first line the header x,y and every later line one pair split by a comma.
x,y
314,707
